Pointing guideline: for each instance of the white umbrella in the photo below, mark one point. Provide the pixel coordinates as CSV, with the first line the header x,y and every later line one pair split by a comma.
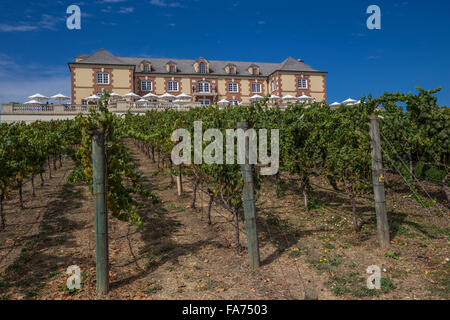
x,y
92,97
142,100
304,97
349,101
167,96
32,102
150,95
38,96
256,97
335,104
289,97
275,97
131,95
183,96
114,95
179,100
223,101
59,97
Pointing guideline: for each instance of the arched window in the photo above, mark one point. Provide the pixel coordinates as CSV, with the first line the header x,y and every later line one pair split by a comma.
x,y
146,68
202,67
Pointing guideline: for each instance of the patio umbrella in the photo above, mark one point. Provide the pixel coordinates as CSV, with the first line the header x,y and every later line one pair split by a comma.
x,y
223,101
92,97
114,95
38,96
289,97
183,96
167,96
142,100
335,104
304,97
32,102
59,97
150,95
131,95
349,102
274,97
256,97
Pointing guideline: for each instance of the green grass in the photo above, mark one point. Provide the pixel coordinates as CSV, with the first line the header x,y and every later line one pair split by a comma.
x,y
153,289
393,255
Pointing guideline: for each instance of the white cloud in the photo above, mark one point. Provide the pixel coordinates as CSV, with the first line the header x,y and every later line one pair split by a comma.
x,y
126,10
47,22
17,82
16,28
163,3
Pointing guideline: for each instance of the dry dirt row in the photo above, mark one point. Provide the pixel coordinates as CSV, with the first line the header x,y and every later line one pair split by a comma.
x,y
177,255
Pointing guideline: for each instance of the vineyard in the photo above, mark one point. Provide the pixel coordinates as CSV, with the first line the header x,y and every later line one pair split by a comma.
x,y
181,231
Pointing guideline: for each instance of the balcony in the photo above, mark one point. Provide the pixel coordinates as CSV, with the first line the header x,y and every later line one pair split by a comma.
x,y
211,93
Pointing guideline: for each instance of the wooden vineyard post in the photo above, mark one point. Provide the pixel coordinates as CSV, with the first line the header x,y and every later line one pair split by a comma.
x,y
249,205
378,183
100,211
179,181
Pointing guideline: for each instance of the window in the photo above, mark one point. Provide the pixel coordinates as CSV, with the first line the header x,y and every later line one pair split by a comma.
x,y
232,70
146,69
302,83
204,102
233,87
102,78
255,71
146,85
256,87
99,94
83,102
234,102
203,86
274,86
172,86
172,68
202,67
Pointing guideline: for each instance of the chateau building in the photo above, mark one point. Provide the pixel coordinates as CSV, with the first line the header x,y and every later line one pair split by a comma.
x,y
206,81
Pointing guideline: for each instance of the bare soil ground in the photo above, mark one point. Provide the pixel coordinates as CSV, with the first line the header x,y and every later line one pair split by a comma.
x,y
177,255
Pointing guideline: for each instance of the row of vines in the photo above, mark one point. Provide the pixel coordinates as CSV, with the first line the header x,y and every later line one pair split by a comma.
x,y
314,140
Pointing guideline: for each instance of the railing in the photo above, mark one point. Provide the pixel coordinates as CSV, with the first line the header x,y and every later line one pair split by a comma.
x,y
33,107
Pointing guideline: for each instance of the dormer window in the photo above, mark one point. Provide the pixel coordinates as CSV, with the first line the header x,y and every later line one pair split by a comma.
x,y
171,67
253,70
202,67
230,69
146,66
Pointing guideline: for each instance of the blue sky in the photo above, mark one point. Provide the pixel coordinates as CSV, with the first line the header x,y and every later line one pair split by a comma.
x,y
412,48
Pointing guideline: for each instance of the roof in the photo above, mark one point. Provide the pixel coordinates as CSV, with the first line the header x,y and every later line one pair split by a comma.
x,y
186,66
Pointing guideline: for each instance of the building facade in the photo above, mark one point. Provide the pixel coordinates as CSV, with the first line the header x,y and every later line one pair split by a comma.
x,y
206,81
